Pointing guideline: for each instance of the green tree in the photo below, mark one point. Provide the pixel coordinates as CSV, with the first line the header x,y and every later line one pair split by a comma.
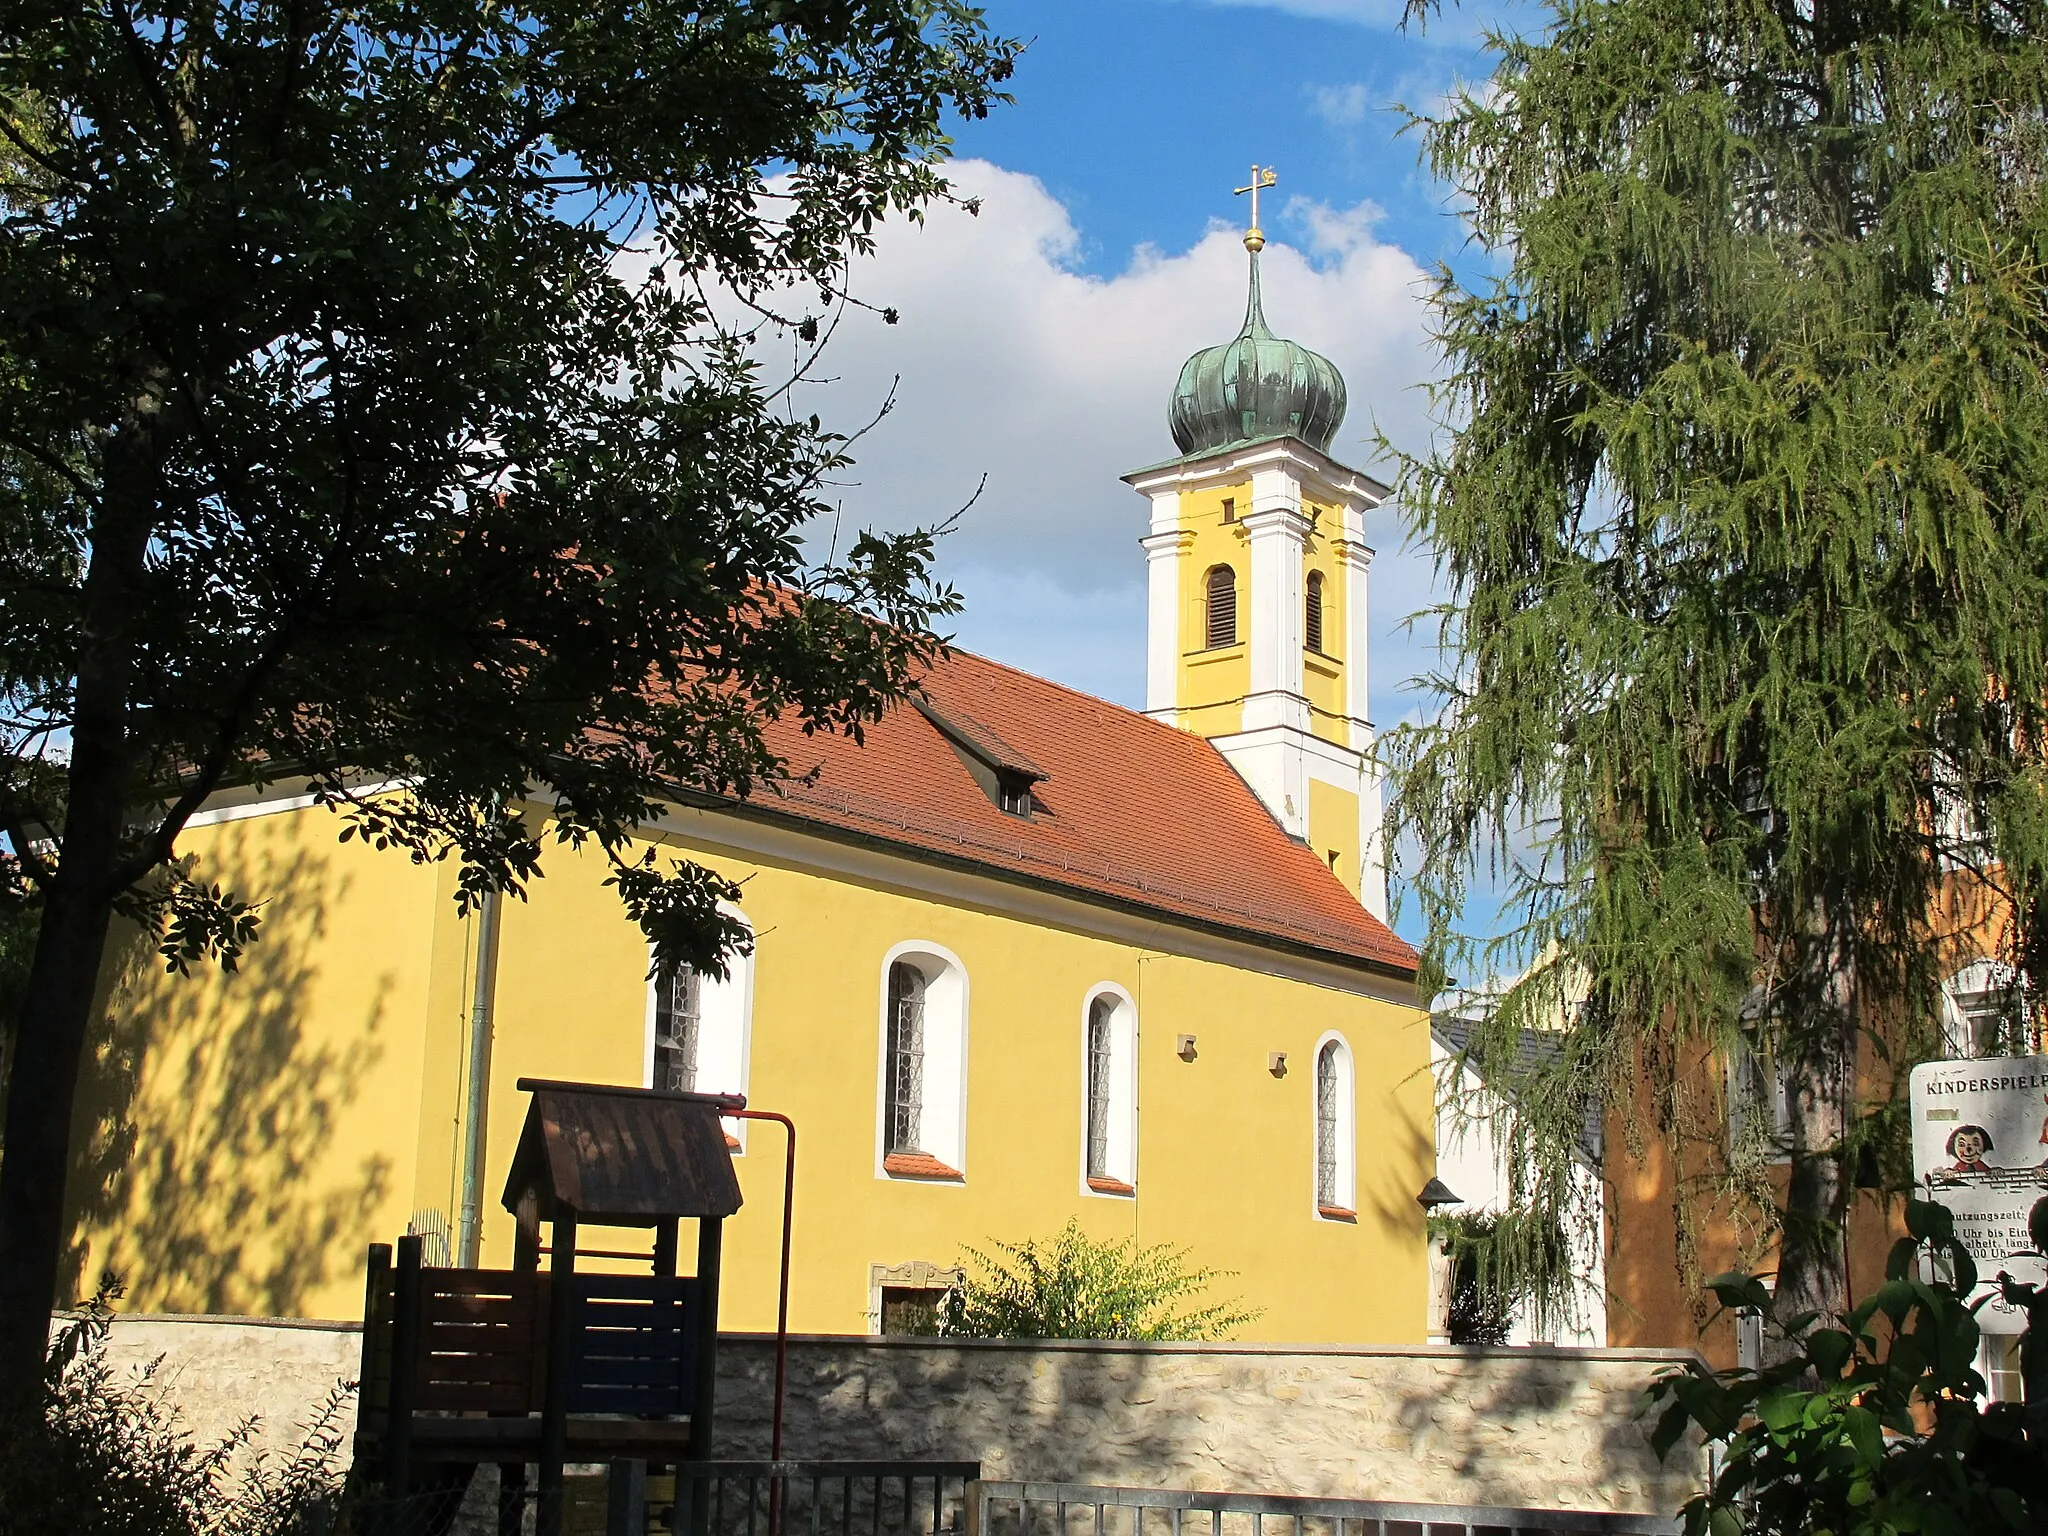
x,y
1743,511
366,416
1072,1286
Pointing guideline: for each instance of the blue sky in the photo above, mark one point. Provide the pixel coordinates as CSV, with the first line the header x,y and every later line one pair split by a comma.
x,y
1141,115
1039,342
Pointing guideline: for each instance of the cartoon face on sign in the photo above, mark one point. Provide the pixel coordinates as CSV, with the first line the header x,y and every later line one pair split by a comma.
x,y
1967,1144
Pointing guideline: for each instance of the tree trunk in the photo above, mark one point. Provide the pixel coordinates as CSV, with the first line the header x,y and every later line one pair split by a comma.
x,y
1820,1068
78,901
42,1087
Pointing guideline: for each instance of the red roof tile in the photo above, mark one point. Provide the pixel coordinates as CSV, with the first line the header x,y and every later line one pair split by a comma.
x,y
1131,810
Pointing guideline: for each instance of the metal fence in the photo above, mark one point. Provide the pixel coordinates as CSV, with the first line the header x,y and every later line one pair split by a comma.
x,y
1083,1509
815,1498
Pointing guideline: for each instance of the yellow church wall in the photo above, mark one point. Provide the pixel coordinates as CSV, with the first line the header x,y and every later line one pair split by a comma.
x,y
362,972
1212,684
572,1003
1333,828
241,1137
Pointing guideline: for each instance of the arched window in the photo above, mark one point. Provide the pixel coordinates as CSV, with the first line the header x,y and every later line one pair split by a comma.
x,y
1336,1123
1312,615
1221,627
1109,1077
906,1057
922,1095
698,1028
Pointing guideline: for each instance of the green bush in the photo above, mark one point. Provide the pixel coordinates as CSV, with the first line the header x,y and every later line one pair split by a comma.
x,y
1873,1427
1073,1287
111,1457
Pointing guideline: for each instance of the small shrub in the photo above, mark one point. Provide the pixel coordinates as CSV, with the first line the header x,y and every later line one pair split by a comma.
x,y
1071,1286
112,1457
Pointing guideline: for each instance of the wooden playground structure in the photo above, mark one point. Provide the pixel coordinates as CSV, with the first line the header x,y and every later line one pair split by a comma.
x,y
544,1365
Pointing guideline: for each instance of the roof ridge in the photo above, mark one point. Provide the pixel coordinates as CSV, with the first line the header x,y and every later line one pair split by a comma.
x,y
1080,693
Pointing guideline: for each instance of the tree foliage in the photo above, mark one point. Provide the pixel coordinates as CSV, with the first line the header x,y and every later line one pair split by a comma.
x,y
1876,1426
1073,1286
1743,509
367,416
1504,1263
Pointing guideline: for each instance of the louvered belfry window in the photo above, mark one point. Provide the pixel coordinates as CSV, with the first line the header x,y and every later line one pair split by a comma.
x,y
1312,617
678,1012
1222,612
906,1057
1101,1018
1326,1126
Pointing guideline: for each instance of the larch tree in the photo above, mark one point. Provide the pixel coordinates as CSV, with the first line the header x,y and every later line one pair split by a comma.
x,y
367,417
1741,504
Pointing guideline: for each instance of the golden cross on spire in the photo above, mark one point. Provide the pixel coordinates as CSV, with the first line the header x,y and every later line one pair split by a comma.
x,y
1262,176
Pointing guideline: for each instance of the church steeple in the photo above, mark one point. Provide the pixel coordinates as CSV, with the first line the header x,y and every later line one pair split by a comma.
x,y
1257,565
1256,386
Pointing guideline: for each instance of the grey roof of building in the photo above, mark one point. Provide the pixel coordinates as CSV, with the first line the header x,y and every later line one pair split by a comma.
x,y
1453,1030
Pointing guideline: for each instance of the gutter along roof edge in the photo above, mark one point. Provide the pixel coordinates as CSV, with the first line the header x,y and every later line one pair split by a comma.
x,y
757,810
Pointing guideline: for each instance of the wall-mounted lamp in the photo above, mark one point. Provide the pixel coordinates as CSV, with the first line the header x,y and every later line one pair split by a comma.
x,y
1184,1047
1276,1063
1435,1193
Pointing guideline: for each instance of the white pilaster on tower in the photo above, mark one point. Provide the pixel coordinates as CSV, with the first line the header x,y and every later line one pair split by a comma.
x,y
1163,549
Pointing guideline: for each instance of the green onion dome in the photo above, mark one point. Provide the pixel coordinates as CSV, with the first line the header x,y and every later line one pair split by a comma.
x,y
1256,387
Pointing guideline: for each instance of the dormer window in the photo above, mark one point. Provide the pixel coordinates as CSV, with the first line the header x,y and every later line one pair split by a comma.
x,y
1005,775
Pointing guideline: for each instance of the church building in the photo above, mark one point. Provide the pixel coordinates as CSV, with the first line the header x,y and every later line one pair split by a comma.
x,y
1024,956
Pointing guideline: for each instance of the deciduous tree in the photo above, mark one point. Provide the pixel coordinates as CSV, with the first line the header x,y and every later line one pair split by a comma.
x,y
366,417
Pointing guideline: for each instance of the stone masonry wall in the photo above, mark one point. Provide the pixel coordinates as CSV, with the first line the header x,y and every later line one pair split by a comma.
x,y
1527,1427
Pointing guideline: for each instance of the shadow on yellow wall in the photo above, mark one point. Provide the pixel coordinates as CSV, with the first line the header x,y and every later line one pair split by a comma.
x,y
208,1169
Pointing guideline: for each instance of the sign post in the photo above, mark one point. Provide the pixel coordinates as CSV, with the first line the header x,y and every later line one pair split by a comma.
x,y
1980,1147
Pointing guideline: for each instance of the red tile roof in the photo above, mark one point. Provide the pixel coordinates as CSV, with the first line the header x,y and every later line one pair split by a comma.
x,y
1131,810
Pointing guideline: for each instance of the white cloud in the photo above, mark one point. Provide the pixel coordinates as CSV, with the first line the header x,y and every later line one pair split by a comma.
x,y
1051,383
1342,106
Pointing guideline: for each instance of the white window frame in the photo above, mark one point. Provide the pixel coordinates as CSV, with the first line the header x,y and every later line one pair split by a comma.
x,y
943,1104
721,1060
1347,1129
1122,1157
1974,980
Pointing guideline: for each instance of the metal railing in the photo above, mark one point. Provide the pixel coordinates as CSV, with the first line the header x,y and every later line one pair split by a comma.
x,y
1084,1509
815,1498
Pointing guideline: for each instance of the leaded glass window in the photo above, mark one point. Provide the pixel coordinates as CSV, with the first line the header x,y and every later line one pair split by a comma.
x,y
1326,1127
1101,1020
906,1056
678,1020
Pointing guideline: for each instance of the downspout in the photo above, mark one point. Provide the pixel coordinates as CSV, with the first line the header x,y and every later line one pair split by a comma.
x,y
469,1225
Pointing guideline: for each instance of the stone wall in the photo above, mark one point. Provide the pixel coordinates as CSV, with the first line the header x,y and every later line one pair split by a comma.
x,y
1530,1426
222,1370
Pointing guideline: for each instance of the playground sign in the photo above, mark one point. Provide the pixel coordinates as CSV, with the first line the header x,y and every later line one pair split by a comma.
x,y
1980,1147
